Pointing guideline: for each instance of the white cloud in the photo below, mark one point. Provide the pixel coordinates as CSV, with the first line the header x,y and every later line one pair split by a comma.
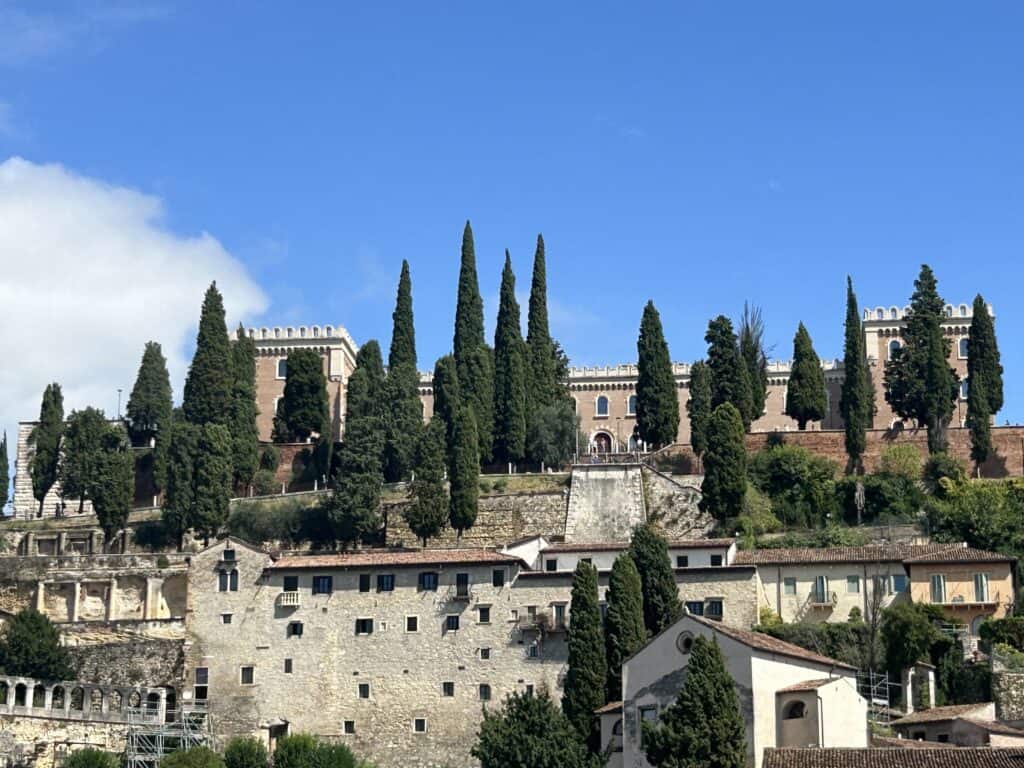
x,y
88,274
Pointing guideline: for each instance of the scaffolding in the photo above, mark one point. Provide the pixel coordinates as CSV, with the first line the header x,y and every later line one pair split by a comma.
x,y
876,688
154,733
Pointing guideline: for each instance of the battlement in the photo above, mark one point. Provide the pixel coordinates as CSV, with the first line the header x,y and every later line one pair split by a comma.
x,y
889,314
319,334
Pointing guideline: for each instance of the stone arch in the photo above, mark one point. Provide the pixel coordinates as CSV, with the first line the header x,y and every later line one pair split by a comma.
x,y
795,710
20,694
602,442
96,700
57,700
38,696
894,313
77,699
134,700
4,690
116,701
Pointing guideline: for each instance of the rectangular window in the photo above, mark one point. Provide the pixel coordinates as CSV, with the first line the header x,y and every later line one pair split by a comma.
x,y
428,581
789,586
551,564
531,612
228,556
938,582
323,585
248,675
364,626
412,623
716,560
899,582
385,582
291,583
498,577
485,692
294,629
462,585
647,715
682,561
364,690
448,689
981,587
485,614
529,689
234,580
419,725
533,651
485,654
202,680
364,582
820,593
222,581
853,585
225,618
451,623
350,727
713,609
287,666
559,614
695,608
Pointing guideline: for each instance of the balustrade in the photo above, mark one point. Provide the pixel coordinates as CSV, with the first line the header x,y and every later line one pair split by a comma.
x,y
78,701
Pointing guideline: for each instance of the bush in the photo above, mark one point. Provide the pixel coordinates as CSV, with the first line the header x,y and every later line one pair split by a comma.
x,y
902,460
265,483
801,486
485,486
290,522
153,535
843,641
886,497
500,484
295,751
855,616
1008,631
197,757
30,646
92,758
940,470
163,562
829,536
245,752
768,618
270,459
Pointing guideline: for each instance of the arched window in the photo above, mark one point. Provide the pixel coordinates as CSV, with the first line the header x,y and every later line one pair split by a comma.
x,y
233,580
894,314
631,405
880,313
617,728
963,349
282,368
963,310
963,389
794,711
893,346
601,406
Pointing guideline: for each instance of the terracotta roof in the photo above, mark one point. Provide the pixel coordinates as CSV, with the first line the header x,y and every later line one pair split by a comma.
x,y
994,726
615,546
958,553
889,553
808,685
936,757
762,642
938,714
394,557
610,708
888,742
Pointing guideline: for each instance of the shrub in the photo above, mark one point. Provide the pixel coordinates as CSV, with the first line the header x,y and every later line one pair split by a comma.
x,y
245,752
768,618
92,758
295,751
855,616
197,757
265,483
1008,631
162,562
290,522
940,470
153,535
485,486
886,497
844,641
270,459
500,484
801,486
902,460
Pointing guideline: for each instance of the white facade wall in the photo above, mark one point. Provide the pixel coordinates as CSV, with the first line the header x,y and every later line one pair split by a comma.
x,y
800,606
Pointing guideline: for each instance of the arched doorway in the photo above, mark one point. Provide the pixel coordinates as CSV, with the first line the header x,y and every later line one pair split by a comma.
x,y
602,442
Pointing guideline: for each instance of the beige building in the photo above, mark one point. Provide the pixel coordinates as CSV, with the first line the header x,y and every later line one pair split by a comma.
x,y
965,725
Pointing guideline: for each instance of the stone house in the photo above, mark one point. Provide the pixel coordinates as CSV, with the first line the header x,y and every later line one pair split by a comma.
x,y
894,757
965,725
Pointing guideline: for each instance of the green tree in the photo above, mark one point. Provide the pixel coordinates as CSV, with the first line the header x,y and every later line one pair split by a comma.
x,y
800,484
92,758
464,477
730,382
587,672
427,511
302,410
245,752
725,465
624,630
113,487
245,437
44,443
751,343
551,436
405,409
81,450
699,406
984,382
704,727
194,757
30,647
447,400
149,404
657,403
354,506
179,500
509,374
857,398
919,383
530,732
5,477
295,750
544,380
908,633
473,358
198,479
649,552
207,397
805,395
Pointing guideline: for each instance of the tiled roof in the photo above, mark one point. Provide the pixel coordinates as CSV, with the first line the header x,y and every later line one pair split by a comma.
x,y
888,742
994,726
762,642
808,685
937,757
958,553
395,557
889,553
610,708
613,546
938,714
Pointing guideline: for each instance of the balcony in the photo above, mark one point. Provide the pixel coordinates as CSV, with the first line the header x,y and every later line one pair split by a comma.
x,y
822,599
288,600
461,593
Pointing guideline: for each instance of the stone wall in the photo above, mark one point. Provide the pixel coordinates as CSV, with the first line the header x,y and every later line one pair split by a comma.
x,y
133,662
606,501
39,742
672,505
1008,694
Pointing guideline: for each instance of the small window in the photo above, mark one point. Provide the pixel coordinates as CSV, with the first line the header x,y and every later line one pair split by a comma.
x,y
248,675
631,406
695,608
282,368
964,389
918,735
713,609
294,629
386,582
364,626
981,587
559,614
795,710
551,564
853,585
291,583
942,738
485,654
287,666
349,727
201,688
716,560
233,580
789,585
412,623
323,585
533,651
485,692
528,690
364,582
228,556
938,588
498,577
893,349
682,561
428,581
448,689
364,690
225,618
485,614
963,349
419,725
202,675
222,581
462,585
451,623
601,407
899,582
531,612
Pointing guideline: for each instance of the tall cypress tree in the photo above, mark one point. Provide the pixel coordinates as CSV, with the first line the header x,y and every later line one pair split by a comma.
x,y
178,511
245,438
427,511
805,395
473,358
657,403
405,410
5,476
207,395
857,400
80,454
545,386
44,443
751,343
149,405
730,382
699,406
984,382
624,631
465,473
649,552
303,409
704,727
113,486
725,465
212,478
586,675
509,374
447,401
919,383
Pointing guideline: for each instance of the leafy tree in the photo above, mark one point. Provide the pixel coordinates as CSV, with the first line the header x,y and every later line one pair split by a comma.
x,y
730,382
428,511
530,732
919,384
92,758
800,484
546,386
857,398
984,382
624,630
405,410
113,487
509,374
245,752
81,450
884,497
30,647
473,358
195,757
354,506
245,437
149,405
5,469
699,406
908,633
725,465
295,750
754,357
44,442
207,397
447,400
805,395
986,515
657,403
587,672
465,473
551,435
649,552
704,727
302,410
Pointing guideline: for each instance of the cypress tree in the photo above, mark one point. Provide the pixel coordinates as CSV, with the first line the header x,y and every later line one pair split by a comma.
x,y
649,552
207,395
427,512
984,382
805,395
544,383
44,443
725,465
473,358
114,484
586,675
703,728
405,410
149,405
857,399
730,382
919,383
447,401
5,477
354,506
81,449
751,342
509,374
245,440
30,646
699,406
465,473
657,404
212,477
303,409
624,630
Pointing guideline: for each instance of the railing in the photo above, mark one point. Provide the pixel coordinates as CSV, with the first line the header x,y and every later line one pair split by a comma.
x,y
72,700
462,592
289,600
823,598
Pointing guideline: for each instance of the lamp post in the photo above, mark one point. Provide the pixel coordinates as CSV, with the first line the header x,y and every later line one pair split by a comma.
x,y
118,402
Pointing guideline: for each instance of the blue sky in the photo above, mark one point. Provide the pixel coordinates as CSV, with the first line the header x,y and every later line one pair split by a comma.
x,y
698,154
